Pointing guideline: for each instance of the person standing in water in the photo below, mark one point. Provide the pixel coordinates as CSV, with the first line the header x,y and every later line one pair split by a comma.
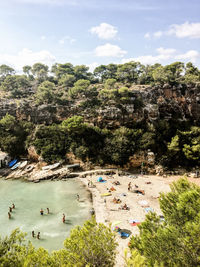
x,y
13,205
9,215
78,197
33,234
41,212
63,219
10,209
47,210
38,235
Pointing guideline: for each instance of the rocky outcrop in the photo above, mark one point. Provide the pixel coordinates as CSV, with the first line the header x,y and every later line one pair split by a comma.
x,y
150,104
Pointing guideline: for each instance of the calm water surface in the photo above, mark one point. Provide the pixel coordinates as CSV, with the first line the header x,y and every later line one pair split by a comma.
x,y
29,198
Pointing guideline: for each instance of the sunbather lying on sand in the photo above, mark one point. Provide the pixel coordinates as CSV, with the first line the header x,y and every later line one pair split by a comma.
x,y
116,183
116,201
124,207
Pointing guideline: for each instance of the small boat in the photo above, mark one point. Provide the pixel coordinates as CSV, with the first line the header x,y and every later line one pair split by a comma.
x,y
23,164
12,163
51,167
54,166
29,168
15,166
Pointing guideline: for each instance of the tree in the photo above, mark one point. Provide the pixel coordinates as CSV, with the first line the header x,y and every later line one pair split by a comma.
x,y
67,80
91,245
13,135
40,70
27,69
110,83
176,240
128,72
62,69
45,92
6,70
79,87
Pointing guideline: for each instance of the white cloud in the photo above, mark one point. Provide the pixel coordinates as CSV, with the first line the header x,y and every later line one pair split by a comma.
x,y
92,66
190,30
67,39
147,35
166,51
27,57
191,55
158,34
109,50
165,56
104,31
43,37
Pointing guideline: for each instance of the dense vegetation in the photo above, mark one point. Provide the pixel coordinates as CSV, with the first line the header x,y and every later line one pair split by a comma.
x,y
172,241
176,240
91,245
112,84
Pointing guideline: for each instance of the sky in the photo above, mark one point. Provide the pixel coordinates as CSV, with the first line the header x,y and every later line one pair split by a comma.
x,y
95,32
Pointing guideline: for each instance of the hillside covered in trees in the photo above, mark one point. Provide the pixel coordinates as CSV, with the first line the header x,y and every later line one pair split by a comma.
x,y
104,117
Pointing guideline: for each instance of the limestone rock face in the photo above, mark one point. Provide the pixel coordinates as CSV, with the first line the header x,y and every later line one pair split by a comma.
x,y
148,104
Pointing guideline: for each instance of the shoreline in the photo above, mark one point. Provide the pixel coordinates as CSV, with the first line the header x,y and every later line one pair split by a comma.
x,y
109,213
106,211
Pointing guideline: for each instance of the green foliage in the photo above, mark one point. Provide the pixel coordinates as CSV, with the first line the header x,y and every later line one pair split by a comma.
x,y
79,87
13,135
40,71
176,241
91,245
135,260
17,85
51,142
6,70
45,93
110,83
185,146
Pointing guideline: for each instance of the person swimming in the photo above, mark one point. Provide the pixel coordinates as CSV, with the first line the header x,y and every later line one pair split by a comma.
x,y
63,219
41,212
38,235
33,234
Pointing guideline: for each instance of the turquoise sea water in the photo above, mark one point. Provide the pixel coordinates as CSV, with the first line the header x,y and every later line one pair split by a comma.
x,y
29,198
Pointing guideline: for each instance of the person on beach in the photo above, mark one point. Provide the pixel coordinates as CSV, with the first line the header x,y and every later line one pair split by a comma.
x,y
129,187
13,206
9,215
41,212
10,209
38,235
78,197
63,219
33,234
47,210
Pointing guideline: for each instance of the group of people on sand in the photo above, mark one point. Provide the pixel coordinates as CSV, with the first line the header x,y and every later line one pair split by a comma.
x,y
10,210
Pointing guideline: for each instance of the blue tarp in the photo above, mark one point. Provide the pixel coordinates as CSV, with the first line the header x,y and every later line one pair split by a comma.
x,y
12,163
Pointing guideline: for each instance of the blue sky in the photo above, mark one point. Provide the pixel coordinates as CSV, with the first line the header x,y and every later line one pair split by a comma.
x,y
95,32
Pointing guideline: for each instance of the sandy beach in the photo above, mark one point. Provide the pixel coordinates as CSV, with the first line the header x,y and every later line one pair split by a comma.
x,y
110,213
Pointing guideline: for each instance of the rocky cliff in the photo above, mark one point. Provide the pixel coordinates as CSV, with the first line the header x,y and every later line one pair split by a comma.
x,y
146,103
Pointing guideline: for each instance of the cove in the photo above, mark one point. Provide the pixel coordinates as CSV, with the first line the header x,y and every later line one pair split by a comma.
x,y
29,198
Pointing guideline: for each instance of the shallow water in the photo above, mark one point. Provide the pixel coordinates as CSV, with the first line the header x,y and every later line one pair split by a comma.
x,y
29,198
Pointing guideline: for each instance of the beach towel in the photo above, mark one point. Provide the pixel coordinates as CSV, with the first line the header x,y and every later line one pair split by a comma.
x,y
134,222
143,203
